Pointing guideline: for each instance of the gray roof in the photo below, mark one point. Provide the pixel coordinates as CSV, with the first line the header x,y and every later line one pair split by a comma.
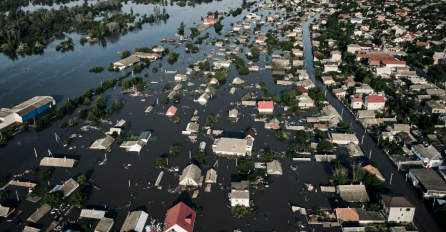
x,y
104,225
145,135
131,220
40,212
4,211
353,193
191,172
429,179
230,145
211,176
92,213
429,152
366,114
30,229
31,105
396,200
240,194
243,185
103,143
193,126
68,187
370,215
57,162
274,167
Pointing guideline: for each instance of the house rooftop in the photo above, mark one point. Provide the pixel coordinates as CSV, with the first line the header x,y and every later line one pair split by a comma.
x,y
430,179
395,200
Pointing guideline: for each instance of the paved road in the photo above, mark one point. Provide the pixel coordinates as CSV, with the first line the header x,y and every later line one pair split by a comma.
x,y
423,219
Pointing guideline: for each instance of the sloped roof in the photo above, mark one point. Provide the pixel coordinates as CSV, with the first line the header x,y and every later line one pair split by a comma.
x,y
57,162
40,212
193,172
92,213
132,220
353,193
30,229
347,214
104,225
396,200
250,132
274,167
180,215
266,105
376,99
68,187
374,171
4,211
171,111
211,176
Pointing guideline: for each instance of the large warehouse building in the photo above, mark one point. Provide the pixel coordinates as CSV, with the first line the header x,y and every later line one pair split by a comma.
x,y
24,111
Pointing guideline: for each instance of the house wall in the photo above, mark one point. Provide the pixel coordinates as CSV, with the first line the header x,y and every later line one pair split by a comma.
x,y
266,110
141,222
399,215
429,163
239,201
35,112
375,106
357,105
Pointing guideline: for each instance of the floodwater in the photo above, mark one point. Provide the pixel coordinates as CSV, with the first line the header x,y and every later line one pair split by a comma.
x,y
66,76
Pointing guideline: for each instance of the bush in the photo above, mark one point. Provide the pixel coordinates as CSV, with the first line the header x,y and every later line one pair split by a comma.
x,y
54,199
63,124
96,69
79,199
45,175
174,150
200,157
162,162
155,69
240,212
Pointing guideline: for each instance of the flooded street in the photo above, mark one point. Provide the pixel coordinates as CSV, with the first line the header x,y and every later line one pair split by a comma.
x,y
65,75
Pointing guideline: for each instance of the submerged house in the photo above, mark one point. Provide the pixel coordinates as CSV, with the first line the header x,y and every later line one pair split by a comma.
x,y
135,221
180,218
191,176
57,162
103,144
232,146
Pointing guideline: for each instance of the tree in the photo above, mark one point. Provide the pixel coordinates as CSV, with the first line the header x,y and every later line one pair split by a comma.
x,y
45,175
200,157
181,29
210,120
125,54
281,134
245,166
269,156
299,224
101,103
174,150
246,97
177,98
79,199
320,134
255,51
344,127
116,105
4,179
324,146
240,212
436,74
302,135
82,180
166,87
54,199
162,162
220,75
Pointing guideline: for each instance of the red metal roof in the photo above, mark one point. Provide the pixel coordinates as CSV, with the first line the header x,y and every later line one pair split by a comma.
x,y
393,62
376,98
357,99
268,105
171,111
261,39
304,90
180,215
412,35
209,20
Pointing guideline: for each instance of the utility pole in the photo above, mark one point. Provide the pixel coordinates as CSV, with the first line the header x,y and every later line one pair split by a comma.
x,y
391,178
370,156
362,142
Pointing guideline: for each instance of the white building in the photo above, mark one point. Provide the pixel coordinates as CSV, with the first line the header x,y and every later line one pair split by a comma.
x,y
135,221
230,146
428,154
240,193
343,139
191,176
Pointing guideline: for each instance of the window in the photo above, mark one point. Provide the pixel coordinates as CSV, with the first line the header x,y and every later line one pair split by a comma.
x,y
408,209
401,209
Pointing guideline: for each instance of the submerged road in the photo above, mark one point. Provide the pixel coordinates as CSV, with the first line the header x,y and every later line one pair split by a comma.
x,y
423,219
